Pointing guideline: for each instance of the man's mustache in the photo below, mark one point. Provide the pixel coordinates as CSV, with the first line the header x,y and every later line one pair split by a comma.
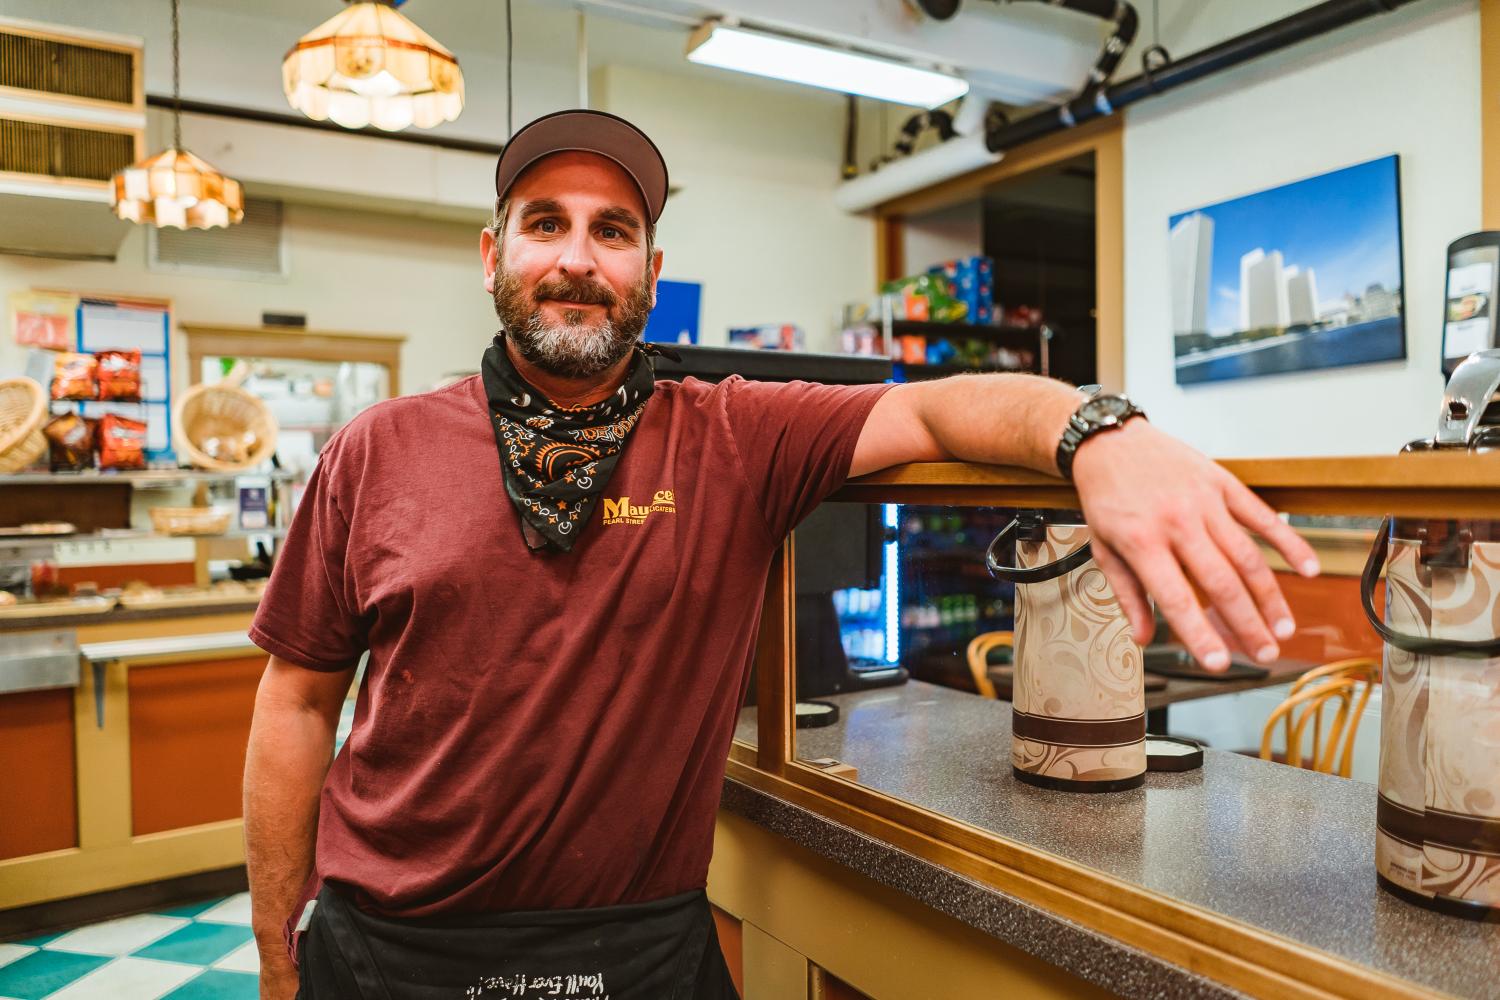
x,y
575,290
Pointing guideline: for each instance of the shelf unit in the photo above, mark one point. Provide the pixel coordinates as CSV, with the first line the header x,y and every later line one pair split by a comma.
x,y
15,542
1020,338
140,479
918,373
107,507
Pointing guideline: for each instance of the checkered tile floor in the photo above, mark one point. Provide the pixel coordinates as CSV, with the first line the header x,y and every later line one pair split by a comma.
x,y
202,951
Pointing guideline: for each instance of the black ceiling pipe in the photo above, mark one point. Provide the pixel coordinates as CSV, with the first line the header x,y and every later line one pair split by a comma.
x,y
1310,23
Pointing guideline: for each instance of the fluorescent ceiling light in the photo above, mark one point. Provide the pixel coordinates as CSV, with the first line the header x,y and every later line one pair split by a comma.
x,y
716,44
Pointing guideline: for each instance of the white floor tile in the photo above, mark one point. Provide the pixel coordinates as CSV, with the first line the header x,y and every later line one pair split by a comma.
x,y
116,937
10,952
234,910
128,979
245,958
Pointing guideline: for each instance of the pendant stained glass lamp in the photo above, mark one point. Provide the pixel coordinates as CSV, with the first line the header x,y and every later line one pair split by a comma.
x,y
176,188
370,65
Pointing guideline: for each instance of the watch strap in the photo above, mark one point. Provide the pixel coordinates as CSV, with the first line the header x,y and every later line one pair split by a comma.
x,y
1080,429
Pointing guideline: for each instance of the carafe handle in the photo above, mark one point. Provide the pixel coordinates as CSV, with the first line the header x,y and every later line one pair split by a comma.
x,y
1416,644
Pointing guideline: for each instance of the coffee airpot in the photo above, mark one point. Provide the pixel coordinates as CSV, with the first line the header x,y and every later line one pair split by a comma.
x,y
1079,705
1437,839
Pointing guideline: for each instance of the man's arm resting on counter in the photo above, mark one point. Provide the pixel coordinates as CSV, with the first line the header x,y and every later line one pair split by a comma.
x,y
291,746
1160,513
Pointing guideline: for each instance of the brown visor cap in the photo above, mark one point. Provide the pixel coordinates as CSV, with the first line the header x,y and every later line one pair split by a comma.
x,y
587,132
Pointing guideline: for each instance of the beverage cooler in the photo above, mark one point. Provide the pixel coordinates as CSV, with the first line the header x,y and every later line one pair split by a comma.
x,y
934,594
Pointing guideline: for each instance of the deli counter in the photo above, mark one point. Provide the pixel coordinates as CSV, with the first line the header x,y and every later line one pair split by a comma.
x,y
893,851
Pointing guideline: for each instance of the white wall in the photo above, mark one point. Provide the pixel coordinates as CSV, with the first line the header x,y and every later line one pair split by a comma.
x,y
1405,83
232,52
754,220
947,234
357,272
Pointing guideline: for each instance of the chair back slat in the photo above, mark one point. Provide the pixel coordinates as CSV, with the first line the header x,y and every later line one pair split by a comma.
x,y
1347,682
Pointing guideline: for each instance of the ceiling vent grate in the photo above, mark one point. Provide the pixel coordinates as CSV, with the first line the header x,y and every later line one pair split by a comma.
x,y
61,151
68,69
252,249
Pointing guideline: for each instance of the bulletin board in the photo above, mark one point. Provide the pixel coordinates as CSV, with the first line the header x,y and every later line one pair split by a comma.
x,y
107,324
103,322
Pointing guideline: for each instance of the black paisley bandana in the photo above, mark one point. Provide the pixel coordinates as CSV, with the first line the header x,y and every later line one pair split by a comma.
x,y
556,460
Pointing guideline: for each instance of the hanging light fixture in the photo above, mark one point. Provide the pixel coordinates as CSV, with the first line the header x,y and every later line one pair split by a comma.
x,y
176,188
370,65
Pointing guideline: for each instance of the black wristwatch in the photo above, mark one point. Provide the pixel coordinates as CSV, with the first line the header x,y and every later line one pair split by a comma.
x,y
1101,413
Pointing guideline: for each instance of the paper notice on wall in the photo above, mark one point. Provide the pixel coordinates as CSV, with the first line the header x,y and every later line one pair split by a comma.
x,y
154,382
44,319
109,327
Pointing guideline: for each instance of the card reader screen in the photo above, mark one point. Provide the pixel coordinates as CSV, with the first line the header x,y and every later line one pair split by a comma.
x,y
1469,321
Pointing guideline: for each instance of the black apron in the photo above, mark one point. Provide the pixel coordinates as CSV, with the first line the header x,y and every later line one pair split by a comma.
x,y
667,949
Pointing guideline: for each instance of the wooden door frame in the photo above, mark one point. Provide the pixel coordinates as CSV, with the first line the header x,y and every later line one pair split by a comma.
x,y
1104,139
204,340
1489,113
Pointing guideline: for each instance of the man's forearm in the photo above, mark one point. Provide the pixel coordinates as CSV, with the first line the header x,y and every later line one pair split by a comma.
x,y
1000,419
291,745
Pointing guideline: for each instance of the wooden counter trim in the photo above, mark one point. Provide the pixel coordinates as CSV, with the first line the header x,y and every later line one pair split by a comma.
x,y
122,615
773,665
1431,484
1237,955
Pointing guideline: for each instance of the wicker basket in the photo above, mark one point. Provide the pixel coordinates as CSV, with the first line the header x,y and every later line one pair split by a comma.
x,y
23,410
216,412
190,520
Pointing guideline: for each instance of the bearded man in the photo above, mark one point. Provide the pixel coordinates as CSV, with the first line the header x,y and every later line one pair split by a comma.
x,y
525,805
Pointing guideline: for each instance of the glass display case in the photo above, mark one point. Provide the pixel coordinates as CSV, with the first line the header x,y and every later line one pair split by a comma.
x,y
1259,875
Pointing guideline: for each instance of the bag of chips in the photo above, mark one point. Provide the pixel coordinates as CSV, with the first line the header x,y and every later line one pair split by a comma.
x,y
72,441
119,374
122,442
74,377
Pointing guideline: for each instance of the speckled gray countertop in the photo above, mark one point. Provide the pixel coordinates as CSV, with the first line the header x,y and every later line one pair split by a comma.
x,y
1274,847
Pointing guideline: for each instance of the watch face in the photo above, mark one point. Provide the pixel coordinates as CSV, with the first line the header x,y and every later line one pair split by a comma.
x,y
1101,408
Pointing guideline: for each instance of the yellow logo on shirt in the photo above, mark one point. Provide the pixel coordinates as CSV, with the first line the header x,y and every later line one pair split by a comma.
x,y
622,511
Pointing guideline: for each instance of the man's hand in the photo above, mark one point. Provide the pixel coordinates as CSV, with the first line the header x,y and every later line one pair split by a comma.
x,y
278,976
1165,518
291,745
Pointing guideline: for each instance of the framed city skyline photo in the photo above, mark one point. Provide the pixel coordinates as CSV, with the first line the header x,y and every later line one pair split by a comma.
x,y
1298,277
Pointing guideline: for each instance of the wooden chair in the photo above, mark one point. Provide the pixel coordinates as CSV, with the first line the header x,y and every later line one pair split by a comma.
x,y
1347,682
979,659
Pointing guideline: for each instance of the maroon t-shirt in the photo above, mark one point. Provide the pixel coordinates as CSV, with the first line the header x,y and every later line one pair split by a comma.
x,y
542,730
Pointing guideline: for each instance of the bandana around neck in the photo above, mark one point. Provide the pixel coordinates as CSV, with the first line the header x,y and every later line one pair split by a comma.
x,y
556,460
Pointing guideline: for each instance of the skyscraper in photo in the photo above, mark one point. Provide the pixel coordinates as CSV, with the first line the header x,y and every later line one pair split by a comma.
x,y
1262,290
1301,295
1192,247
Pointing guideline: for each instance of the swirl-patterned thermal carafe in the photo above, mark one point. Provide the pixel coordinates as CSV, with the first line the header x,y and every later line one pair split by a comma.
x,y
1437,839
1079,707
1437,821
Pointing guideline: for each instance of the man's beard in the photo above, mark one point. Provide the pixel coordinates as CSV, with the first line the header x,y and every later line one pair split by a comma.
x,y
575,348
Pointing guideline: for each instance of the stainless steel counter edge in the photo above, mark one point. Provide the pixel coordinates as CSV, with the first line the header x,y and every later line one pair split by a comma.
x,y
1093,957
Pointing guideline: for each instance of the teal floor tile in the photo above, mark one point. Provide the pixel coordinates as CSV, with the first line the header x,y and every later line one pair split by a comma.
x,y
44,972
218,985
197,943
41,939
190,909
